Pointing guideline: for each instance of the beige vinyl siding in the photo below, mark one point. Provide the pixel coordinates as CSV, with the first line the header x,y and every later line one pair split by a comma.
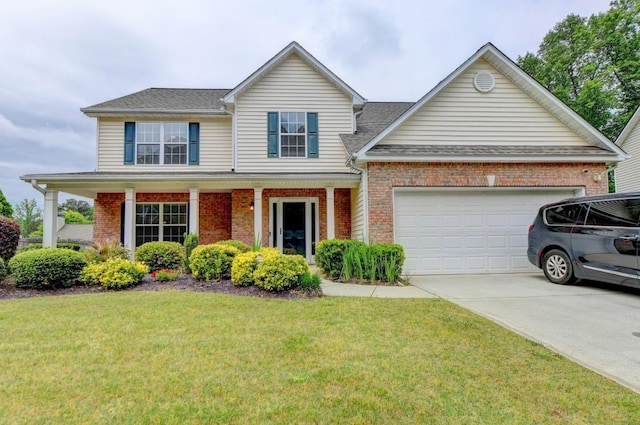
x,y
291,87
460,114
215,146
357,213
628,171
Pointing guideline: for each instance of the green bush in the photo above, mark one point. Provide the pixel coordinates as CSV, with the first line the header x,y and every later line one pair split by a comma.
x,y
46,268
3,269
9,237
280,272
190,242
330,253
99,253
213,261
242,247
114,273
65,245
243,267
161,255
310,282
389,259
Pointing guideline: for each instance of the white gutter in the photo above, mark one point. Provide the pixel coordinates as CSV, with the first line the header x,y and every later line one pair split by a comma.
x,y
34,183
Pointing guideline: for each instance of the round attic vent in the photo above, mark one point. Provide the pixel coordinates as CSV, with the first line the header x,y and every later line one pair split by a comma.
x,y
484,82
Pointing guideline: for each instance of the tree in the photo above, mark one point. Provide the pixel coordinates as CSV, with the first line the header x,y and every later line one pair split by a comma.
x,y
593,65
82,207
75,217
29,215
5,207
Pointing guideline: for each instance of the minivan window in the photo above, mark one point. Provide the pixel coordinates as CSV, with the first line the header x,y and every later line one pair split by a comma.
x,y
616,213
566,214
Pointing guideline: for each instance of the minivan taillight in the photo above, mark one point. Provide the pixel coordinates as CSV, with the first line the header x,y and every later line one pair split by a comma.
x,y
530,227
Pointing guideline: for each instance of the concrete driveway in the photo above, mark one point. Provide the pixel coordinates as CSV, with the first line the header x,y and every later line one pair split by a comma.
x,y
594,324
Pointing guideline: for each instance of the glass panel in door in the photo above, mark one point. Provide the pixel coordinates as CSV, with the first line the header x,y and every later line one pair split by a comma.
x,y
293,227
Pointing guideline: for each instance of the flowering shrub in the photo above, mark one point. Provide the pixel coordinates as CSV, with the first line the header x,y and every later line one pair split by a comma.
x,y
212,262
280,272
115,273
165,275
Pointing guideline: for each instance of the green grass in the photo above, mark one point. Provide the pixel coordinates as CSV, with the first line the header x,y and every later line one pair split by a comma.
x,y
183,357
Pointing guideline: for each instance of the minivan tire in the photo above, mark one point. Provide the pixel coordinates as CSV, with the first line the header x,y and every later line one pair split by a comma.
x,y
557,267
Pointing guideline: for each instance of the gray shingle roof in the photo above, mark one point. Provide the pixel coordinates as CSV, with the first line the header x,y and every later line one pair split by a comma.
x,y
485,150
163,99
376,116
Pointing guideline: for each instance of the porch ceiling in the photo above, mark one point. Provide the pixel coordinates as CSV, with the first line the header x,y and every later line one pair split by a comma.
x,y
89,184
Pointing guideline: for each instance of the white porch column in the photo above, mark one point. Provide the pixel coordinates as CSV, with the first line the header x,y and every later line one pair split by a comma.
x,y
331,220
50,221
129,220
194,210
257,214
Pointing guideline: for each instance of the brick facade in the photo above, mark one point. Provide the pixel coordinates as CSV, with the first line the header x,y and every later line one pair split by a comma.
x,y
384,176
223,215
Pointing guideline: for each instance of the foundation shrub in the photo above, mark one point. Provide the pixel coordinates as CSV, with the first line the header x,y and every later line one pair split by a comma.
x,y
161,255
114,273
99,253
242,247
243,267
3,269
9,237
47,268
65,245
213,261
329,256
389,259
280,272
309,282
191,241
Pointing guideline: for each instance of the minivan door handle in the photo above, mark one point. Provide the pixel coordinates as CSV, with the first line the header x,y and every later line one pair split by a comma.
x,y
630,237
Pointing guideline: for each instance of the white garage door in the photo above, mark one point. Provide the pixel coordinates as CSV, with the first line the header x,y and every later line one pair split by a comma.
x,y
467,232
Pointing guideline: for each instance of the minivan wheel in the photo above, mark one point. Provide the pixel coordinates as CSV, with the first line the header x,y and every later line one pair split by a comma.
x,y
557,267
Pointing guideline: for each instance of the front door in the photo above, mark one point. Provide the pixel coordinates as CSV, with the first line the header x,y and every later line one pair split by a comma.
x,y
294,226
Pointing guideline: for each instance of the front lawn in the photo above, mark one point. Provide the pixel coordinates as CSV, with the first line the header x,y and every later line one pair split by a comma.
x,y
176,357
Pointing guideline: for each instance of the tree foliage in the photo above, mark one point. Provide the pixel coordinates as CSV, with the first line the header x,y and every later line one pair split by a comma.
x,y
29,215
75,217
82,207
5,207
593,65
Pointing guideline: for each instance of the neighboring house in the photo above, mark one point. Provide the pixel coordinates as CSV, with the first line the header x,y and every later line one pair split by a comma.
x,y
293,155
627,173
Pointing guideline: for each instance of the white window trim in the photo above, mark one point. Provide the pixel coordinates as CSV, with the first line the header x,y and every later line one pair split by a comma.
x,y
161,143
161,223
280,134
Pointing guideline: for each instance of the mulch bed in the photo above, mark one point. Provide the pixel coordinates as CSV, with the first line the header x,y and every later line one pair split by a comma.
x,y
183,283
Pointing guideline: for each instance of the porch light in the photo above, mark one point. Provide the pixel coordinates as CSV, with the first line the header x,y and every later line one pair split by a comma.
x,y
251,206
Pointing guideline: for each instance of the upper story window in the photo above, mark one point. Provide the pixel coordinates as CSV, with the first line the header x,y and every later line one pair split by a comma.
x,y
292,134
161,143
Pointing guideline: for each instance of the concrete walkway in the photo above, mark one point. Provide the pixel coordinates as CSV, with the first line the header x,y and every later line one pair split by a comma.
x,y
593,324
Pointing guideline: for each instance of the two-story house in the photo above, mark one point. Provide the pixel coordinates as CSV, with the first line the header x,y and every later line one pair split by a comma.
x,y
293,155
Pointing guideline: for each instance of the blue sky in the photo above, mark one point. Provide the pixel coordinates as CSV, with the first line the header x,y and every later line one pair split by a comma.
x,y
60,56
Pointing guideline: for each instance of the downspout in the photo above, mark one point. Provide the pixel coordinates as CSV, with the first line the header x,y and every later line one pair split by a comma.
x,y
34,183
234,143
364,186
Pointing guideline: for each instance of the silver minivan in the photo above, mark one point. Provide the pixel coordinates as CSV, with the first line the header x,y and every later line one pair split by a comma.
x,y
593,237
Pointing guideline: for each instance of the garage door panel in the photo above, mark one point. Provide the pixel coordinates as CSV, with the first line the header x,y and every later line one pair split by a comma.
x,y
467,231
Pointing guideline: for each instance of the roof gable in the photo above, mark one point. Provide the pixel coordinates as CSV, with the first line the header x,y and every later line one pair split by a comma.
x,y
628,128
527,84
293,49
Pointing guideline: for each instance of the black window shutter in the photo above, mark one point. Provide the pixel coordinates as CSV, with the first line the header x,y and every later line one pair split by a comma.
x,y
194,143
272,134
129,142
312,135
